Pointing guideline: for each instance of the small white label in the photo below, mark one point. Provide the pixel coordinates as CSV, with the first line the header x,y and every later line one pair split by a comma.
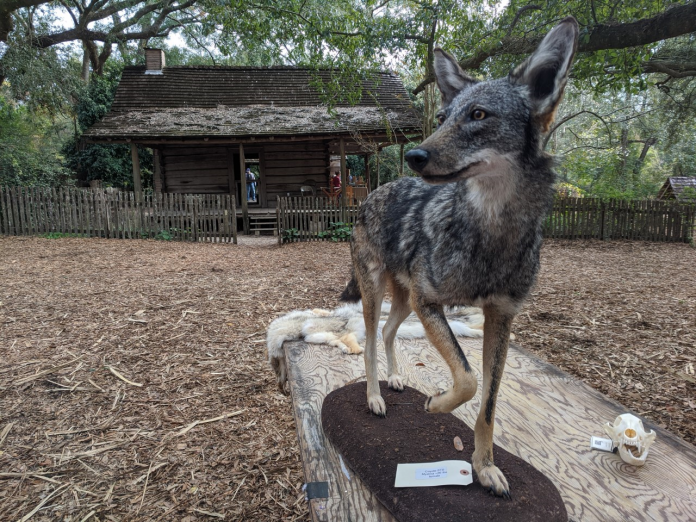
x,y
431,473
601,444
443,473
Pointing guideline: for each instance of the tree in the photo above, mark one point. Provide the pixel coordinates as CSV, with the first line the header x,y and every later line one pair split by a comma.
x,y
28,147
111,164
97,24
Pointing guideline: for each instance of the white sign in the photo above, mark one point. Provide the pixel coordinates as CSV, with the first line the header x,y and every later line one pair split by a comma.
x,y
443,473
601,444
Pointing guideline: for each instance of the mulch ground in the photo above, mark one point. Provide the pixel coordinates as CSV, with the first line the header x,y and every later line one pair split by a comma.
x,y
134,383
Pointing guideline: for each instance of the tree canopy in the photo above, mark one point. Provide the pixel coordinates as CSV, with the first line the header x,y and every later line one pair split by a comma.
x,y
629,108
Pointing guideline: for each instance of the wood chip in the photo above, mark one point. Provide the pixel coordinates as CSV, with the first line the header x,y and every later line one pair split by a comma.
x,y
45,372
197,423
117,374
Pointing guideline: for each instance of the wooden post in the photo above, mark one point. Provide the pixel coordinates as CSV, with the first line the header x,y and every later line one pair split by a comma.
x,y
230,175
344,180
401,161
377,159
367,173
243,195
158,182
137,183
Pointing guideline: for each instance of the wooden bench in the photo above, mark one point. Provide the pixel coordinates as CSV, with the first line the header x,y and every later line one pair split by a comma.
x,y
543,415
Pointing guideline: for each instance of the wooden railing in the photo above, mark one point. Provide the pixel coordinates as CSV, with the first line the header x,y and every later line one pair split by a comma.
x,y
320,219
95,213
314,219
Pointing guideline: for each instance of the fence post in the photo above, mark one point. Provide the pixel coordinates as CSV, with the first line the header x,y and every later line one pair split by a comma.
x,y
602,219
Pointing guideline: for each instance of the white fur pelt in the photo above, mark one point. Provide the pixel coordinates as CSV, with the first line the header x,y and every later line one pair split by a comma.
x,y
344,327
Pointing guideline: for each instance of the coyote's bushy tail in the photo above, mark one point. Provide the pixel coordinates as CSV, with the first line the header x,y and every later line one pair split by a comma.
x,y
351,293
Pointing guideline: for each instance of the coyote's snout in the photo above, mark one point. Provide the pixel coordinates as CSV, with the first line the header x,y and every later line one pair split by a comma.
x,y
472,233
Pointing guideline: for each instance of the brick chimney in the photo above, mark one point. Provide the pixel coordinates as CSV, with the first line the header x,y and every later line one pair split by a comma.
x,y
154,61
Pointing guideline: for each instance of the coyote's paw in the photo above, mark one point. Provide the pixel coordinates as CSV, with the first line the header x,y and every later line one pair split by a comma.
x,y
395,382
377,405
494,481
443,402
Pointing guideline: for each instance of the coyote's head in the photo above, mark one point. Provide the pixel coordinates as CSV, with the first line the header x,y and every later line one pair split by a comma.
x,y
484,127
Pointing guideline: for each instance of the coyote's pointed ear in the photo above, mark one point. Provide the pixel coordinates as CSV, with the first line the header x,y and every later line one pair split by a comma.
x,y
546,71
451,79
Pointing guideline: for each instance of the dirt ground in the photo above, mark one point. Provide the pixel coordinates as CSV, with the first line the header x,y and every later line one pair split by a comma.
x,y
134,384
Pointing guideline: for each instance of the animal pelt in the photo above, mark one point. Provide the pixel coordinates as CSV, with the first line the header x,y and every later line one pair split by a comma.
x,y
344,327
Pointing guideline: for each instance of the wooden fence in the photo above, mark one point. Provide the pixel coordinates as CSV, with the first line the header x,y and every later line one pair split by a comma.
x,y
314,219
91,213
318,219
647,220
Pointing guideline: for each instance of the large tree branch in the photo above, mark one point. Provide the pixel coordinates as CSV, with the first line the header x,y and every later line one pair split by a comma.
x,y
7,7
672,68
671,23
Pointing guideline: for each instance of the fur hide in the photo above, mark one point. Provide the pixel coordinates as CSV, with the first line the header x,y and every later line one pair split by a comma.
x,y
344,327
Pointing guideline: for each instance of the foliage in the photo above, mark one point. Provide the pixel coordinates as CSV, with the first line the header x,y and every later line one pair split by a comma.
x,y
337,231
28,147
166,235
110,163
290,234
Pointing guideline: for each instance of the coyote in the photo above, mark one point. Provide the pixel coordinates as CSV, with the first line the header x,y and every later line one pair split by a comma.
x,y
469,231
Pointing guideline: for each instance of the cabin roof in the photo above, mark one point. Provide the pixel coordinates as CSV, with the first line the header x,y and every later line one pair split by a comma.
x,y
675,186
202,101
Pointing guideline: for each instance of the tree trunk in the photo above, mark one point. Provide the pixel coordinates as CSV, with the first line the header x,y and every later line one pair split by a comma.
x,y
85,63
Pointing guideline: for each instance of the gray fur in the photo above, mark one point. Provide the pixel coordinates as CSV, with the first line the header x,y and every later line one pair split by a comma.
x,y
469,231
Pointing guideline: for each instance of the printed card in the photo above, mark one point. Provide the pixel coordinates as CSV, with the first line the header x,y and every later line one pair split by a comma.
x,y
443,473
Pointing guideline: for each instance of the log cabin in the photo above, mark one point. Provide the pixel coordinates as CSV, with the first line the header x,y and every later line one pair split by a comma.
x,y
206,124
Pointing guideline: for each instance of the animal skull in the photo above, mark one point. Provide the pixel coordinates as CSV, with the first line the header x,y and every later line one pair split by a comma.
x,y
630,437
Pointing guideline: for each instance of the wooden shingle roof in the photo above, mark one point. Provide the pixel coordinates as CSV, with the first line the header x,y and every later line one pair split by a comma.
x,y
206,101
675,187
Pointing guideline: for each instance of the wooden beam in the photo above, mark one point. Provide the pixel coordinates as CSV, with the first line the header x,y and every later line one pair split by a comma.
x,y
230,175
261,183
367,173
401,161
137,182
377,159
344,180
158,180
243,195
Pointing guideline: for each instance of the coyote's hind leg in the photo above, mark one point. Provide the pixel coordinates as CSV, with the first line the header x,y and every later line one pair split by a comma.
x,y
372,281
400,309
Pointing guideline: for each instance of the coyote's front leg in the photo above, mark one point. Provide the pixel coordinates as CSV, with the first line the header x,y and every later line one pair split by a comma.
x,y
496,336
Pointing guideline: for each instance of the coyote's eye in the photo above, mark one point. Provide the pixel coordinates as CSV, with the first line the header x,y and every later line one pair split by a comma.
x,y
441,119
478,114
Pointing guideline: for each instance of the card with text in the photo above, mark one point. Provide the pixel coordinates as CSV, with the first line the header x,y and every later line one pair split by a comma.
x,y
443,473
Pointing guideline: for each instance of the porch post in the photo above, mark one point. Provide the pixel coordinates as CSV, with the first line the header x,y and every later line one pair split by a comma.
x,y
230,176
367,173
137,183
401,161
377,159
158,180
344,181
243,195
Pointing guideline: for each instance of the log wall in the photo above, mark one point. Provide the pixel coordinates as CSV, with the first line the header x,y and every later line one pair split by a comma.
x,y
285,167
289,165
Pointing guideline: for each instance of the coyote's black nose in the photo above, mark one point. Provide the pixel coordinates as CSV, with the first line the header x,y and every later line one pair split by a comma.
x,y
417,159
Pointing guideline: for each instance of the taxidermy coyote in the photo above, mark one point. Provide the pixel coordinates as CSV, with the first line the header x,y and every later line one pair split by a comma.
x,y
469,231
